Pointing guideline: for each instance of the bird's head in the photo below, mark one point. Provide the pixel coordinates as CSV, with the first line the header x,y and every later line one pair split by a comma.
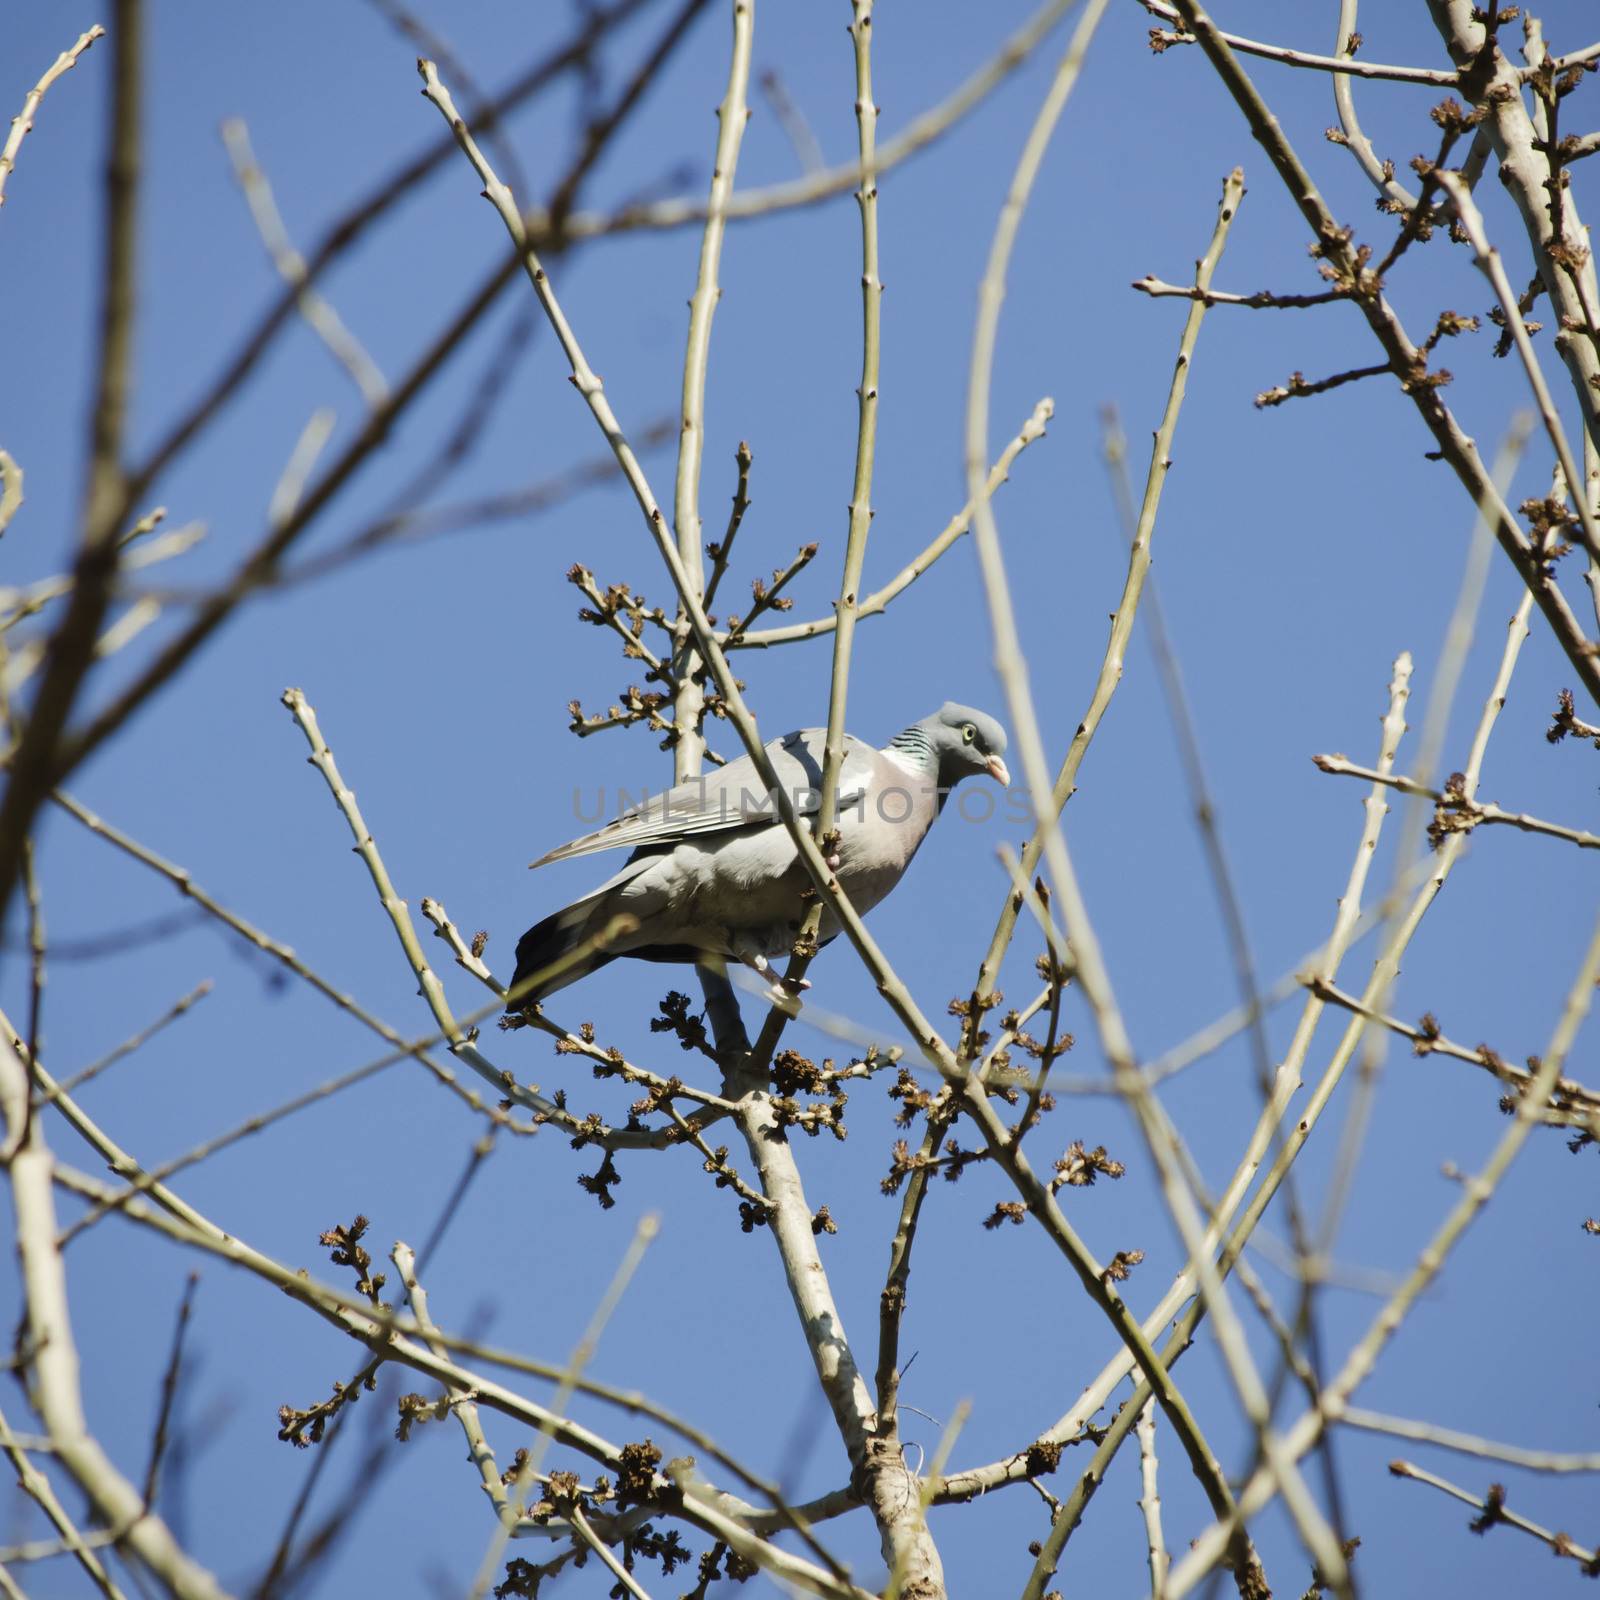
x,y
966,742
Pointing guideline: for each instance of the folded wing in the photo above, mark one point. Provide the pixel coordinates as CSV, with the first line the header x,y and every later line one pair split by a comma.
x,y
728,798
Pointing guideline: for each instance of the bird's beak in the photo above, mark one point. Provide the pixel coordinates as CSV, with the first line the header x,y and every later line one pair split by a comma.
x,y
997,770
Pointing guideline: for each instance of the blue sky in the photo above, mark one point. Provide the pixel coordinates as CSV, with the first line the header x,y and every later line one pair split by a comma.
x,y
1299,550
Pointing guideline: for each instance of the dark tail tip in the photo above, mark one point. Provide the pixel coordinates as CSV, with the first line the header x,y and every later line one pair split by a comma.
x,y
541,947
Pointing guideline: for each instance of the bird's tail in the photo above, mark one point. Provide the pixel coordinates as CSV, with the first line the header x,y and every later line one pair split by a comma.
x,y
562,946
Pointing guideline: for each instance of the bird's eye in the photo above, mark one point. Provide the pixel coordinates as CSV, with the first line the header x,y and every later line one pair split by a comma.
x,y
968,733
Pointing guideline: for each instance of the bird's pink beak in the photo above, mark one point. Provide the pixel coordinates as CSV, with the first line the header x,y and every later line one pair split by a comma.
x,y
997,771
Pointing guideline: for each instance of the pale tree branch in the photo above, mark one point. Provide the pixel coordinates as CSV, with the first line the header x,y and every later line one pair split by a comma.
x,y
1490,264
53,1369
1338,64
510,1513
1453,654
180,879
1458,812
889,984
34,757
1404,358
314,307
462,1406
1286,1085
1493,1509
37,1487
842,1383
1468,1444
877,602
1150,1500
1110,675
722,552
1262,299
1572,1102
393,1337
22,123
1530,172
616,1568
855,554
732,115
1084,955
262,562
1363,1357
1359,145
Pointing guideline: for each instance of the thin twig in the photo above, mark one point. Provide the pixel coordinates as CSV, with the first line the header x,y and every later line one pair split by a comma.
x,y
516,1500
610,616
458,1039
1150,1500
877,602
53,1368
1380,174
859,526
766,596
1459,813
1441,698
1467,1443
1298,387
1487,259
482,109
1428,1040
1346,265
1493,1509
462,1406
37,1487
22,123
169,1392
281,953
35,756
136,1041
1260,1142
1110,674
721,552
688,707
793,121
1364,1355
1344,64
624,1578
1262,299
320,316
1084,955
717,1513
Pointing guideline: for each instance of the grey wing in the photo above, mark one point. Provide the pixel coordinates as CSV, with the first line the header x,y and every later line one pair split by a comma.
x,y
728,798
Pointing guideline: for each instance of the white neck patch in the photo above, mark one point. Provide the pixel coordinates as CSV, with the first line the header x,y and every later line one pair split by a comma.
x,y
906,762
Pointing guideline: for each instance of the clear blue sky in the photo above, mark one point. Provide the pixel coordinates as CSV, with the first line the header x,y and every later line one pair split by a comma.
x,y
1299,551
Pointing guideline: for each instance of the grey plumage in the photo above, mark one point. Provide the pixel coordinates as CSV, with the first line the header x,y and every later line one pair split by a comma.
x,y
713,871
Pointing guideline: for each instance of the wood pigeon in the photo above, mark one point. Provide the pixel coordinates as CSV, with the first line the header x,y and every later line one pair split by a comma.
x,y
714,872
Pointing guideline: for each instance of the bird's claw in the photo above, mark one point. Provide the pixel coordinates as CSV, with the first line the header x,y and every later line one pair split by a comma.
x,y
781,991
784,999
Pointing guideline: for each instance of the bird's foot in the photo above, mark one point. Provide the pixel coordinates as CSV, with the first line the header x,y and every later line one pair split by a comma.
x,y
781,991
785,999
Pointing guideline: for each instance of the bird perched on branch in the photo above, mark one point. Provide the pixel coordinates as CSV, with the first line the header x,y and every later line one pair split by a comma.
x,y
714,872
